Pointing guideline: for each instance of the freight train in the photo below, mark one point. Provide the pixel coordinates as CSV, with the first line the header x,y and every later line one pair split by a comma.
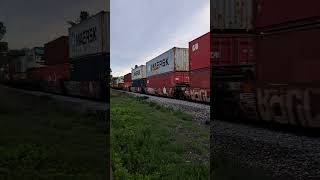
x,y
182,73
74,65
265,61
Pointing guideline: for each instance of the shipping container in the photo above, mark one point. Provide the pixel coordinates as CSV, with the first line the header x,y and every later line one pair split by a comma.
x,y
284,88
199,52
175,59
233,49
288,78
138,85
90,37
119,82
171,84
127,78
127,82
91,68
275,12
139,72
50,73
86,89
57,51
199,88
231,15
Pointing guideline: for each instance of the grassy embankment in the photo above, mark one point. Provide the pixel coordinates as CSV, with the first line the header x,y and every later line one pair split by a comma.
x,y
41,139
152,142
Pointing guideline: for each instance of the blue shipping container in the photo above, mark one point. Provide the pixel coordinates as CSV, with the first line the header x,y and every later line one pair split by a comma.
x,y
92,68
139,83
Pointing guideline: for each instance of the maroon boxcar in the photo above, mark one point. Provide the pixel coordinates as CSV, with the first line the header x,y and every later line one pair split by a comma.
x,y
276,12
199,64
127,82
57,51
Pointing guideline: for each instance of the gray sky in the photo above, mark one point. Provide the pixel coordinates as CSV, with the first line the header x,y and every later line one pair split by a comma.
x,y
35,22
143,29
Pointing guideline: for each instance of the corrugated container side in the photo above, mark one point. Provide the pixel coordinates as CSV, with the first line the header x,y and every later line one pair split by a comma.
x,y
120,80
139,83
127,78
139,72
90,37
57,51
231,14
289,57
233,49
275,12
199,52
164,84
92,68
181,59
50,73
175,59
199,89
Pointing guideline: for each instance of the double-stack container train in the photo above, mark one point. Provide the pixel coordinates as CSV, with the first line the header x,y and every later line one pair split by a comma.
x,y
267,71
168,74
75,65
138,76
182,73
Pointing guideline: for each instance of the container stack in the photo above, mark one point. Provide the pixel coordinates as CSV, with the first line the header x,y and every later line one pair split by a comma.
x,y
138,76
89,51
199,65
232,38
288,42
127,81
89,55
265,60
167,71
56,55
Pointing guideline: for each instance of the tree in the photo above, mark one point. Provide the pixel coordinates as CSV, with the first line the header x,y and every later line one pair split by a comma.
x,y
3,30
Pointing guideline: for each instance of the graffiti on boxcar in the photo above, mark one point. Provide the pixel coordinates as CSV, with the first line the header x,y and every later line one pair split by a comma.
x,y
294,106
202,95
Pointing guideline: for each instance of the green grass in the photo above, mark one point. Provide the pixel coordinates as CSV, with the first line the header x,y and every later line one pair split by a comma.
x,y
152,142
41,139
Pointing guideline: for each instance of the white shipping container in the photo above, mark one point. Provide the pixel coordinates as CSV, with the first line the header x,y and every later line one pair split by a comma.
x,y
138,73
231,14
119,80
90,37
175,59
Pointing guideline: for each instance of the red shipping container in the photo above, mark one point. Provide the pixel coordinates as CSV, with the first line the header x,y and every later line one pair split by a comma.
x,y
274,12
289,57
233,49
199,52
288,77
127,78
164,84
199,89
51,73
57,51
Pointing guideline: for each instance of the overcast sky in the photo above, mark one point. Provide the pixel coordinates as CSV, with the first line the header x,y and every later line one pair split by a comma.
x,y
35,22
143,29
